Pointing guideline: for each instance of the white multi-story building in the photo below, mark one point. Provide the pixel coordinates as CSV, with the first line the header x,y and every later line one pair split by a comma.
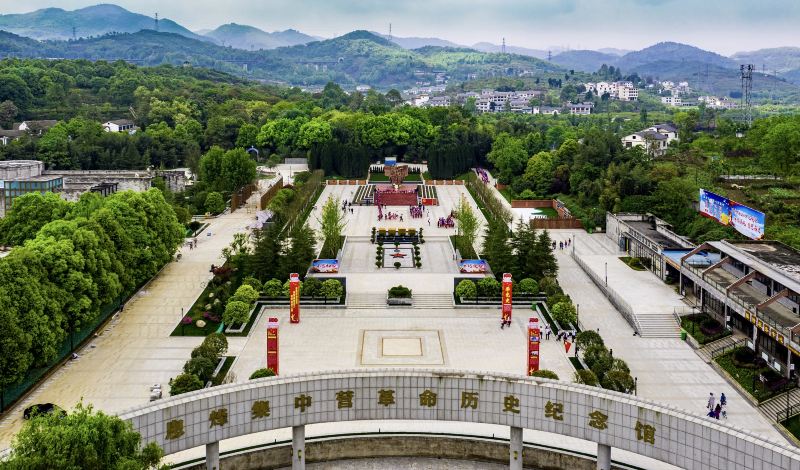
x,y
624,91
582,109
655,139
674,100
627,92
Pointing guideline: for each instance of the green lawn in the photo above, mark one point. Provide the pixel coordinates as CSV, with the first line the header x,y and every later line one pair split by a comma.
x,y
747,378
217,379
462,176
576,363
548,211
633,263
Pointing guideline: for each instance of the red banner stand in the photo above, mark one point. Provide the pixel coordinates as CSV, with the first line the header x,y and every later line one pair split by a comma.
x,y
507,292
294,298
272,344
534,337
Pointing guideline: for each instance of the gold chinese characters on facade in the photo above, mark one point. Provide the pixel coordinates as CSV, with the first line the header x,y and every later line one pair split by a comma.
x,y
466,400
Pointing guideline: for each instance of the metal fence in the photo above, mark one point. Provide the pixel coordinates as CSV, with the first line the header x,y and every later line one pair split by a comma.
x,y
790,412
10,395
618,302
725,349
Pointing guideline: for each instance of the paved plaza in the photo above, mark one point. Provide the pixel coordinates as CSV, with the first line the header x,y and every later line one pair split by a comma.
x,y
115,370
668,370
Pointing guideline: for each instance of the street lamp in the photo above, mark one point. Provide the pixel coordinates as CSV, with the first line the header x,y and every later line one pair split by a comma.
x,y
606,273
578,315
635,385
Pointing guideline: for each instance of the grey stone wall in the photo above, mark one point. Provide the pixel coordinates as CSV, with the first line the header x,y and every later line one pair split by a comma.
x,y
664,433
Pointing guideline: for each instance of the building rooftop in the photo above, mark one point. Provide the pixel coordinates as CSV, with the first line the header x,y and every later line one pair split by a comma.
x,y
780,257
37,178
18,163
648,229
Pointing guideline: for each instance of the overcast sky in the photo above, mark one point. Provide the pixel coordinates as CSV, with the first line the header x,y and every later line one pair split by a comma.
x,y
724,26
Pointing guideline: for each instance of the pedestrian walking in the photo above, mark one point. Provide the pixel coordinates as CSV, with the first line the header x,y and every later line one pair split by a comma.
x,y
711,401
723,400
547,332
717,411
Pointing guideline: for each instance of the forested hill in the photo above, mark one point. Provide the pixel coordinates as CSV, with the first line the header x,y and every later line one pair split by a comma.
x,y
55,23
359,57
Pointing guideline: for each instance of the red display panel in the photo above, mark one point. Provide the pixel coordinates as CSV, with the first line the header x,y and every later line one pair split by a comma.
x,y
507,292
272,344
294,298
534,337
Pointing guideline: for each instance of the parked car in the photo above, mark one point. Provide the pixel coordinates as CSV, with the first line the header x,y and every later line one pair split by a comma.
x,y
42,408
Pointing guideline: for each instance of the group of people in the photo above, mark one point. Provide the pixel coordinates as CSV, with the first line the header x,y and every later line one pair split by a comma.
x,y
566,335
562,244
388,215
715,410
192,243
416,211
347,207
483,174
446,222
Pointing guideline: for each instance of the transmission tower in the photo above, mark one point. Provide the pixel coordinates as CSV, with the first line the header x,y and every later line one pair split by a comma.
x,y
156,21
747,88
73,33
390,32
503,50
549,56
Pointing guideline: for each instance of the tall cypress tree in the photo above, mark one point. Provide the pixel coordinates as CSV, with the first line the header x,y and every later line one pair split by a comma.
x,y
497,248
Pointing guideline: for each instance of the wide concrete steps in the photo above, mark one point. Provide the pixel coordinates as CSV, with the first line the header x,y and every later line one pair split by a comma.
x,y
370,300
657,325
432,300
776,405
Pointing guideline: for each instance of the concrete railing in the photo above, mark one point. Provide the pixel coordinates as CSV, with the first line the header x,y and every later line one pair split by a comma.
x,y
618,302
611,419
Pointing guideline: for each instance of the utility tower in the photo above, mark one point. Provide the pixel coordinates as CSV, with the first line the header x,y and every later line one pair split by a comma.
x,y
549,56
747,88
74,37
390,32
156,21
503,50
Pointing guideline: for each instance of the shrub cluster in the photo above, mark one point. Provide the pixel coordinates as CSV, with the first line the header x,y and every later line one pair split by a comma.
x,y
200,368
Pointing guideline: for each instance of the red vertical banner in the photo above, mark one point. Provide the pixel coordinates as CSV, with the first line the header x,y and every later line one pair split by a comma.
x,y
272,344
534,336
294,298
507,292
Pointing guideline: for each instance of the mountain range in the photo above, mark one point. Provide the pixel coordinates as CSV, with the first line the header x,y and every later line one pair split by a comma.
x,y
97,20
361,56
356,58
252,38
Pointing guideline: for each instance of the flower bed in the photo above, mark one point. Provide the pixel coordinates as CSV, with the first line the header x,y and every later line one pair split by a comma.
x,y
703,328
748,370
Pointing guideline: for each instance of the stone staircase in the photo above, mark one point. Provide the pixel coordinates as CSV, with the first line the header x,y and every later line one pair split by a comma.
x,y
377,300
366,300
776,405
432,300
657,325
706,351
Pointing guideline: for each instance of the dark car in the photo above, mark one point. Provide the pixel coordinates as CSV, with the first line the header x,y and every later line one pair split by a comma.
x,y
42,408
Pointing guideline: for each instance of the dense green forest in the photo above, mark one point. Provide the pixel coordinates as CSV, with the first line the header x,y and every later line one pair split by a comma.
x,y
359,57
184,112
71,261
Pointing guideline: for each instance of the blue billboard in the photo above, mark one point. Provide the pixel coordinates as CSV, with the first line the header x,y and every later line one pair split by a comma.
x,y
747,221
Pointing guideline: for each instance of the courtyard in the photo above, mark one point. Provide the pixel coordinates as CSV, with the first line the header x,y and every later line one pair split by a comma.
x,y
135,350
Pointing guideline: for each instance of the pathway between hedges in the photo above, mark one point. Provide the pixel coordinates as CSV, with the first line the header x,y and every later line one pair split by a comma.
x,y
115,370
